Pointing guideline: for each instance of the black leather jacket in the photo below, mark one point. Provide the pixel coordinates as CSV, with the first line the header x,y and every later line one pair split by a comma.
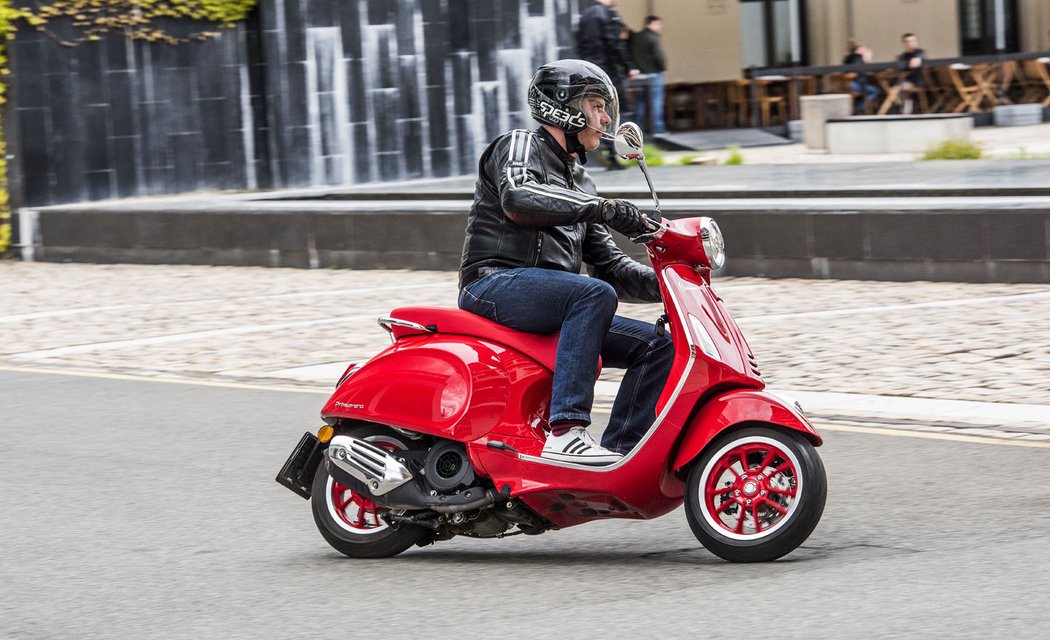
x,y
534,206
598,41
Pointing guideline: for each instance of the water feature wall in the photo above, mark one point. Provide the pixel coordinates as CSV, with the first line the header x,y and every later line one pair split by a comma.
x,y
306,93
119,118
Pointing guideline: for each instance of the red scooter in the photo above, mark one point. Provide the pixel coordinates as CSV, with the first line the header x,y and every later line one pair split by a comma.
x,y
440,434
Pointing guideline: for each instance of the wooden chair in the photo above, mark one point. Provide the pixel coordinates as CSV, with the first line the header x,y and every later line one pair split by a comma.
x,y
807,85
1013,81
842,82
937,93
679,107
988,77
738,103
890,89
714,104
918,95
969,93
837,82
772,97
1037,80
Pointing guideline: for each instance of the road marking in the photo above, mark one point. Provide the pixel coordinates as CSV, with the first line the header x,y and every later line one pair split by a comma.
x,y
900,433
150,305
165,379
898,307
134,342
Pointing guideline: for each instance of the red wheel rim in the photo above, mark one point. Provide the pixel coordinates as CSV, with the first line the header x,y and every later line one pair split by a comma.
x,y
355,512
750,488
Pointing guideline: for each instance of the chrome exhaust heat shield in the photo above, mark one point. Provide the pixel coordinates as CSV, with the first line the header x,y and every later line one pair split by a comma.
x,y
367,463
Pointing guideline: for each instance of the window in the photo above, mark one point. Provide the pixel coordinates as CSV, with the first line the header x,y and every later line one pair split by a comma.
x,y
988,26
771,33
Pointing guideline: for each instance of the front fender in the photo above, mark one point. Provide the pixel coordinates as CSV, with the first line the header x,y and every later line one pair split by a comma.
x,y
736,407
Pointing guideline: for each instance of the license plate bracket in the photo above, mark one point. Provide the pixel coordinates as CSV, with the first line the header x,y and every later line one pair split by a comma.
x,y
298,471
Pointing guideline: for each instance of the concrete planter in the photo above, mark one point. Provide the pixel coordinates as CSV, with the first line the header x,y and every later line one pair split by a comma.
x,y
895,134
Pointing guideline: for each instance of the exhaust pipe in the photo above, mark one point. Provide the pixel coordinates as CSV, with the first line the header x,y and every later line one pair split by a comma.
x,y
365,467
377,469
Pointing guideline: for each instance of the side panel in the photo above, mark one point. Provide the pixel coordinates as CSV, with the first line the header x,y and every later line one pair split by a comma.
x,y
450,386
735,407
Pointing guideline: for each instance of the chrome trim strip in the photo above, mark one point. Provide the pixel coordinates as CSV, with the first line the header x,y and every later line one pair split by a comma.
x,y
659,419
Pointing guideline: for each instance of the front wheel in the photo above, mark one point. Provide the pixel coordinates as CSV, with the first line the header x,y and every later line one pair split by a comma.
x,y
352,523
755,494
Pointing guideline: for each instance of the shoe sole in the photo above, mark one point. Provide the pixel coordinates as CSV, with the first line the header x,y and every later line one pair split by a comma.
x,y
607,459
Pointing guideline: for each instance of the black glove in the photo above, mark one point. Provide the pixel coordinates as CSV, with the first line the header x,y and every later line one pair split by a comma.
x,y
624,217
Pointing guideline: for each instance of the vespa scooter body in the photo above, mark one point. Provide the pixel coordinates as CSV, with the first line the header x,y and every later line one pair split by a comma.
x,y
441,434
457,376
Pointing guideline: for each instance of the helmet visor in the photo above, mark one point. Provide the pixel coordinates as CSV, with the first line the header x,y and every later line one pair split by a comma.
x,y
601,108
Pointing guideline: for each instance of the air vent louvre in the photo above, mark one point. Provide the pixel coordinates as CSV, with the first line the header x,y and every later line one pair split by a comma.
x,y
754,364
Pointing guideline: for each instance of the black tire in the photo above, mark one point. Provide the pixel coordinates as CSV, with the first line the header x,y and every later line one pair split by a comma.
x,y
353,537
750,528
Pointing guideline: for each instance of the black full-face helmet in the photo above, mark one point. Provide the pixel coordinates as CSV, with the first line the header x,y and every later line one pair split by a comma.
x,y
559,88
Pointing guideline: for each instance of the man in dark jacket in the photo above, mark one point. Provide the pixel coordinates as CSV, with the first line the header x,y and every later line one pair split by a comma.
x,y
536,219
598,41
912,80
648,54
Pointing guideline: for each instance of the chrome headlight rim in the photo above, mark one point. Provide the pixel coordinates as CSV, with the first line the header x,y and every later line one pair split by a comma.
x,y
713,242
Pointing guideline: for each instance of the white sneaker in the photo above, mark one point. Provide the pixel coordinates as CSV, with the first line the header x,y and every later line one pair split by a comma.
x,y
577,446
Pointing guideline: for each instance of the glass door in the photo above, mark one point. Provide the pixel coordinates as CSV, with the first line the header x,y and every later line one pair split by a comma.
x,y
771,33
988,26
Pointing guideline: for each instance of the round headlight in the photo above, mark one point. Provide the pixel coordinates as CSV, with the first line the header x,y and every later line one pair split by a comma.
x,y
714,244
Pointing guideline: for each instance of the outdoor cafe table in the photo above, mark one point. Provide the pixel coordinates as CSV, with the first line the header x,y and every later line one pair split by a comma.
x,y
988,67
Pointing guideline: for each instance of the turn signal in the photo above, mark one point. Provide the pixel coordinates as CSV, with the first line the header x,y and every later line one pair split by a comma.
x,y
325,433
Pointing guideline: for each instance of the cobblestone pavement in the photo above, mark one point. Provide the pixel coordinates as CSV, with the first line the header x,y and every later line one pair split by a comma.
x,y
984,342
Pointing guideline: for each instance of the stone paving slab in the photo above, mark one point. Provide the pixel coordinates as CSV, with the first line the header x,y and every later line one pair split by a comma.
x,y
983,343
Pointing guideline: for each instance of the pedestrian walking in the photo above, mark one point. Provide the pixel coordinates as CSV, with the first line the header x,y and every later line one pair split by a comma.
x,y
598,41
648,55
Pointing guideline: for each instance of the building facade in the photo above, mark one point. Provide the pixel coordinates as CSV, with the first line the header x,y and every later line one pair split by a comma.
x,y
714,40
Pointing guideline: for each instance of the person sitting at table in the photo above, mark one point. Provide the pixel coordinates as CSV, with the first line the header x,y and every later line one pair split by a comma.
x,y
912,80
860,85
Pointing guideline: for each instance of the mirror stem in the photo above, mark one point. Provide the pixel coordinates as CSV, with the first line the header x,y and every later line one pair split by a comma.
x,y
645,172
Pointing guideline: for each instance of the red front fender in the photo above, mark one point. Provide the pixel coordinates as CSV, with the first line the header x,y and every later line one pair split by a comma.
x,y
735,407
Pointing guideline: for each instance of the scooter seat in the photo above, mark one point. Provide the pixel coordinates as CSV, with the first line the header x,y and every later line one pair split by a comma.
x,y
541,347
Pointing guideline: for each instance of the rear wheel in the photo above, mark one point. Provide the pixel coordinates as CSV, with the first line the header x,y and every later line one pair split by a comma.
x,y
755,494
350,521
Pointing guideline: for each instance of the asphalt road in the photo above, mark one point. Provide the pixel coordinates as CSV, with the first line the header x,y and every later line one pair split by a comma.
x,y
137,509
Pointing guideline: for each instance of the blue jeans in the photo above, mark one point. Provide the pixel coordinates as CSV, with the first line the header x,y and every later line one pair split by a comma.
x,y
869,92
583,309
651,97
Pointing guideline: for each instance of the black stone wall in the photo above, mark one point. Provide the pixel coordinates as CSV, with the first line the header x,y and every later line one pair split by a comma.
x,y
306,93
119,118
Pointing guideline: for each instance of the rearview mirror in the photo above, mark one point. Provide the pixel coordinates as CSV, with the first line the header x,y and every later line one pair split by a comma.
x,y
628,141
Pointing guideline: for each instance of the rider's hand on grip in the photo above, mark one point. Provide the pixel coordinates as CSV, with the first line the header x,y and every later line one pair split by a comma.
x,y
624,217
652,221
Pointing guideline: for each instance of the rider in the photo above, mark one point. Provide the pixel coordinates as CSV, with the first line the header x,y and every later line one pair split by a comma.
x,y
535,219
